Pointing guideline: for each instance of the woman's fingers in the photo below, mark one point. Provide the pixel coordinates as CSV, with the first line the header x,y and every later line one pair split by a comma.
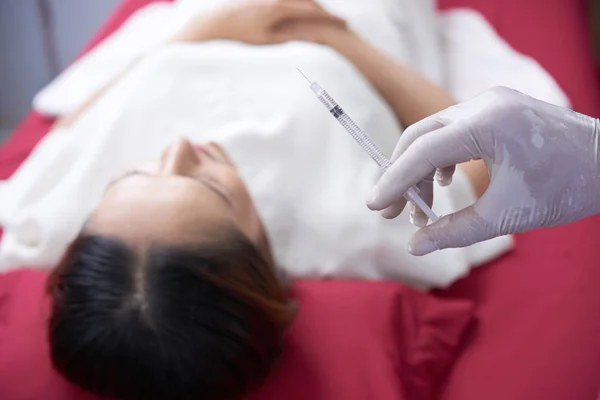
x,y
286,10
302,20
294,30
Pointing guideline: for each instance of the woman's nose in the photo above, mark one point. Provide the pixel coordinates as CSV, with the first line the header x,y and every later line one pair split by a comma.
x,y
180,158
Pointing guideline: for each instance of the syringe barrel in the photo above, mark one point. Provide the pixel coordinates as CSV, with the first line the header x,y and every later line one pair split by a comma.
x,y
413,193
323,96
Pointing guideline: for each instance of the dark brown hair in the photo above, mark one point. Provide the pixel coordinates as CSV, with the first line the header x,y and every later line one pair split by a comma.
x,y
196,323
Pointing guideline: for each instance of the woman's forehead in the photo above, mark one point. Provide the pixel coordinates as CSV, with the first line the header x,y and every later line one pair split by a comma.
x,y
170,210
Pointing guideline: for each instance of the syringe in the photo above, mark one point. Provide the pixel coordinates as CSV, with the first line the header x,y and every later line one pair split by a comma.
x,y
411,194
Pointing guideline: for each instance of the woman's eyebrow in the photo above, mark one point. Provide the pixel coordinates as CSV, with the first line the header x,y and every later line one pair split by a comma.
x,y
206,183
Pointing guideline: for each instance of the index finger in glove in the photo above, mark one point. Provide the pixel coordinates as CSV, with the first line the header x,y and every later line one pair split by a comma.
x,y
434,122
409,135
415,131
439,149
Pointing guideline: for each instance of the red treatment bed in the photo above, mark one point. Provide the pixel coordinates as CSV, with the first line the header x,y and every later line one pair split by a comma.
x,y
537,327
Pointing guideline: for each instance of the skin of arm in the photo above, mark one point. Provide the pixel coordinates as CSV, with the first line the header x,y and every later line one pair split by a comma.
x,y
411,96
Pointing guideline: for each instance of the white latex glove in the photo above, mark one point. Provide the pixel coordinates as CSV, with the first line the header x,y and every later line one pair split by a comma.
x,y
542,160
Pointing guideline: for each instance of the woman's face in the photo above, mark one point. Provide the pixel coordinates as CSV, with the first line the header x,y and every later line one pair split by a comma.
x,y
190,195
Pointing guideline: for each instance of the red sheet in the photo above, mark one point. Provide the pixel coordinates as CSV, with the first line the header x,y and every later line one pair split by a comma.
x,y
539,307
349,341
539,328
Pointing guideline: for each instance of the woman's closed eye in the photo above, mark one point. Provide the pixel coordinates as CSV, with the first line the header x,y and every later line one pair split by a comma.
x,y
207,182
216,188
125,175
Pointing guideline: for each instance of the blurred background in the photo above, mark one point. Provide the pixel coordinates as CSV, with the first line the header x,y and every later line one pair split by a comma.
x,y
38,38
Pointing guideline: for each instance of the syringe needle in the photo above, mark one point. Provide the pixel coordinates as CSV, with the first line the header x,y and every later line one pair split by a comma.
x,y
305,77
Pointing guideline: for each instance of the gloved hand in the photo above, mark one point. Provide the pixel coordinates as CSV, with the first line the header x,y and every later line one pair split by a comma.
x,y
542,160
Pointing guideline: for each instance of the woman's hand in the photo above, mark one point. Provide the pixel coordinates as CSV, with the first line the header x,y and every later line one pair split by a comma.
x,y
332,35
261,22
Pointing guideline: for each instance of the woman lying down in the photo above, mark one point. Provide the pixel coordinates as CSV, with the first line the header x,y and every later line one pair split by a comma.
x,y
204,177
